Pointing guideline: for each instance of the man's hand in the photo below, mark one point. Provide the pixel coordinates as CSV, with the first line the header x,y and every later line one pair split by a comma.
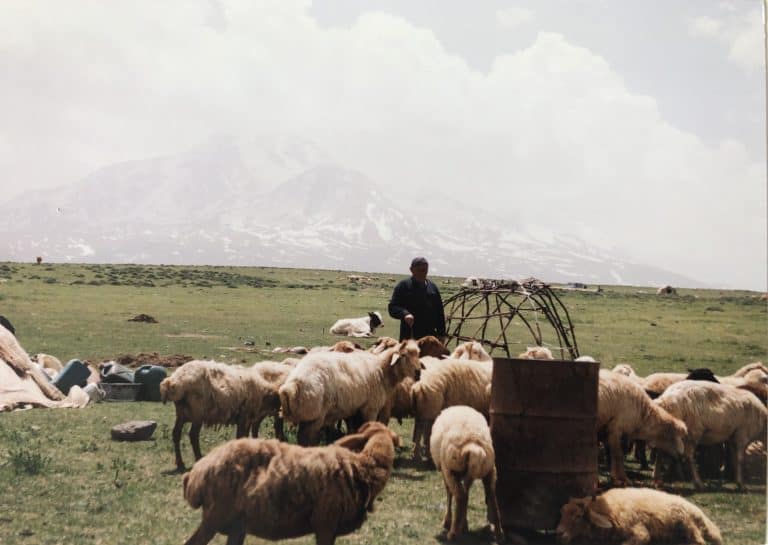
x,y
408,319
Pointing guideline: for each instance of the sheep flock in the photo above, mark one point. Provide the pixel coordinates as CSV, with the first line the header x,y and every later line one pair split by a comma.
x,y
344,386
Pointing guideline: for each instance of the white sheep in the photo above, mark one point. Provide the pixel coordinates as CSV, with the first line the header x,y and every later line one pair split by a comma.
x,y
655,383
624,409
626,370
326,387
275,490
714,413
536,353
462,450
471,350
275,373
452,382
382,343
208,393
635,516
357,327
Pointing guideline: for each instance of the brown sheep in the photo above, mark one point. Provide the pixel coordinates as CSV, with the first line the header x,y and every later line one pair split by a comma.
x,y
635,516
275,490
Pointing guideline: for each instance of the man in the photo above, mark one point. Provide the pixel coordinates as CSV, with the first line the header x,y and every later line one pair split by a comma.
x,y
417,304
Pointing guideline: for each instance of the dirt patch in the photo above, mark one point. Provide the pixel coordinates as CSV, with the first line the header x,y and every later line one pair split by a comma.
x,y
152,358
146,318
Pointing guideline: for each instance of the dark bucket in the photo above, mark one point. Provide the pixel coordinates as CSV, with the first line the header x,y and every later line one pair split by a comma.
x,y
543,424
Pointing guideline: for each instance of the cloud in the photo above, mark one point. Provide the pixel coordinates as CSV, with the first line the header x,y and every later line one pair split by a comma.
x,y
550,133
741,33
514,17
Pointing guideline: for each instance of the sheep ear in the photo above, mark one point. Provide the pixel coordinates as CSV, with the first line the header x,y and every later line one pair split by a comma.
x,y
395,357
599,519
421,363
355,442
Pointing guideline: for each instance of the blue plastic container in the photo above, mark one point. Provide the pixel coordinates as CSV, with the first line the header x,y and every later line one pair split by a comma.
x,y
150,377
75,373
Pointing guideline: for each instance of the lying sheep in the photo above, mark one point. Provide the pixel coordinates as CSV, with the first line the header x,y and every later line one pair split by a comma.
x,y
462,450
536,353
452,382
471,350
215,394
275,490
624,410
714,413
635,516
357,327
326,387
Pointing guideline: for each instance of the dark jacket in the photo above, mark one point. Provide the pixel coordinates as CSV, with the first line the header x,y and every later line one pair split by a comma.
x,y
424,302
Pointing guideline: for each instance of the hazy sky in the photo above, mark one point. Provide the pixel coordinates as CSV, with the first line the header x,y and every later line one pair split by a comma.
x,y
638,124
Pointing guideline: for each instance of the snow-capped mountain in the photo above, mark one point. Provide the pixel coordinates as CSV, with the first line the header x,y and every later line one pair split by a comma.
x,y
285,203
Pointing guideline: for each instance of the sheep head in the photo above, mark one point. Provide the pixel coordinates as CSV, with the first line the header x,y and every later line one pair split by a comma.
x,y
431,346
536,353
404,359
382,344
624,369
580,516
345,346
471,350
671,435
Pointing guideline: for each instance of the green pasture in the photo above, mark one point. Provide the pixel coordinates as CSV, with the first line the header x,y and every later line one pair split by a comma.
x,y
63,481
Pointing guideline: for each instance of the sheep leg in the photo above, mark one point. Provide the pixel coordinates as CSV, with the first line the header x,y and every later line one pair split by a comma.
x,y
618,476
460,515
639,535
236,532
640,454
427,431
241,429
448,502
202,536
418,432
255,427
309,431
460,496
690,455
178,427
738,446
492,505
325,535
194,438
279,428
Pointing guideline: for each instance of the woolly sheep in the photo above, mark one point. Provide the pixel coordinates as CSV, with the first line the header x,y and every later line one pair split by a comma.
x,y
357,327
382,343
275,373
471,350
536,353
626,370
399,404
275,490
215,394
462,450
624,409
655,383
635,516
452,382
714,413
326,387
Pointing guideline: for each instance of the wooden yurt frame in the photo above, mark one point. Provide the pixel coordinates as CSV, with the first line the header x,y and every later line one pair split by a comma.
x,y
533,302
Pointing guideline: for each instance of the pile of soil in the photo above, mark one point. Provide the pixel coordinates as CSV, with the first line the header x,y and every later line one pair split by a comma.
x,y
146,318
152,358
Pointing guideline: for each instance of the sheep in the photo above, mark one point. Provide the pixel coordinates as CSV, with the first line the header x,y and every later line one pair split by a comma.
x,y
666,290
471,282
382,343
275,490
275,373
624,409
655,383
51,364
626,370
326,387
399,404
340,346
635,516
357,327
536,353
452,382
750,368
714,413
215,394
471,350
462,450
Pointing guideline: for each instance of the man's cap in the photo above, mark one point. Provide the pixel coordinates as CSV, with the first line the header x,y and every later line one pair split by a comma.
x,y
419,261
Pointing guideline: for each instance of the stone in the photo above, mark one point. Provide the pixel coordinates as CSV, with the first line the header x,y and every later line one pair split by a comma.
x,y
135,430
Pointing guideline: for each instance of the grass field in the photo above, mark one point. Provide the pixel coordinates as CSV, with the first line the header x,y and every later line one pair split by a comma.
x,y
63,481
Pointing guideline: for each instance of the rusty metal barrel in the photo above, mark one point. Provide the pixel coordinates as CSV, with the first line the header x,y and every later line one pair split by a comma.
x,y
544,428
